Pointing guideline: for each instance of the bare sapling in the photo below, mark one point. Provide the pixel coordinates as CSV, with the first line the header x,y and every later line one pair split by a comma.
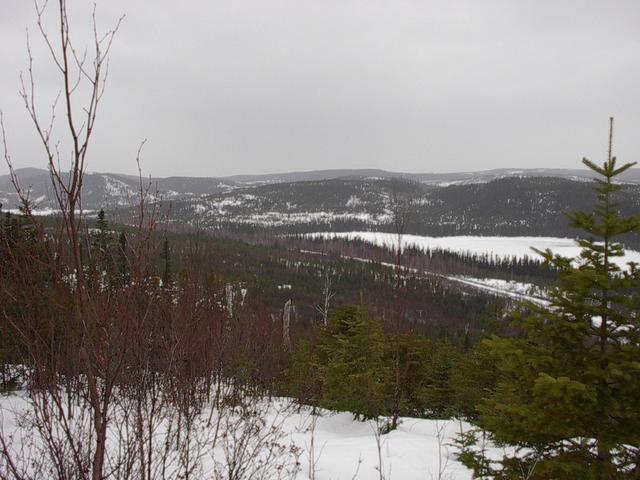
x,y
400,213
327,295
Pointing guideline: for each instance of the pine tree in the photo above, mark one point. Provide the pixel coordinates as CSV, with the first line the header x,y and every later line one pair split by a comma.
x,y
438,394
301,377
569,385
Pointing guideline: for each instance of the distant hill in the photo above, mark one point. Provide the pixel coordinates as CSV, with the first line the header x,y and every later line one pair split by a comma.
x,y
503,206
107,190
110,190
496,202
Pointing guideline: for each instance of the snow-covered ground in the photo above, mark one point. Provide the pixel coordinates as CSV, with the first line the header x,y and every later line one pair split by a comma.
x,y
35,211
410,452
503,285
343,448
496,246
41,212
347,449
507,288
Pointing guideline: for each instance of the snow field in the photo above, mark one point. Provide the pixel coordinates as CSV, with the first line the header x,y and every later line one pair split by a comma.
x,y
343,448
347,449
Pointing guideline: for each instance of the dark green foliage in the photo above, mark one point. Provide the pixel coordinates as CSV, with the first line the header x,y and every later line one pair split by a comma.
x,y
438,390
569,385
472,377
442,381
27,266
101,246
352,364
415,373
301,378
426,368
9,345
350,367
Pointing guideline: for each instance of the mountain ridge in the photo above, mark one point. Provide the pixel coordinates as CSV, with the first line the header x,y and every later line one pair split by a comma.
x,y
631,176
496,202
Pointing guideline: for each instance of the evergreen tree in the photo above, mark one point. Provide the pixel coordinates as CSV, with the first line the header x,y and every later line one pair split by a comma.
x,y
100,245
569,385
437,392
472,376
301,377
352,364
101,222
23,249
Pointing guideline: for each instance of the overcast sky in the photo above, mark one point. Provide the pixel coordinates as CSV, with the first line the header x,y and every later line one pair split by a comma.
x,y
223,87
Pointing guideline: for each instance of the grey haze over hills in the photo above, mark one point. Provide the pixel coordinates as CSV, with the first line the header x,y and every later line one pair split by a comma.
x,y
631,176
109,190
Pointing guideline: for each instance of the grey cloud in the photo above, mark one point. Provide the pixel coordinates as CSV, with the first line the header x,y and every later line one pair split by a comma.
x,y
251,86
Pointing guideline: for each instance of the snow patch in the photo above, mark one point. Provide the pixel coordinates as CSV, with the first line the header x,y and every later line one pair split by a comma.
x,y
353,201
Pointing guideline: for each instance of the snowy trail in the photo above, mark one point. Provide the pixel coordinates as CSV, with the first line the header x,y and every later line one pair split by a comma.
x,y
488,284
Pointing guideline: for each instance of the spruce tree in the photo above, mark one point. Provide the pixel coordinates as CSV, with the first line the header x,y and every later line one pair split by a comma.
x,y
100,248
352,364
569,384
